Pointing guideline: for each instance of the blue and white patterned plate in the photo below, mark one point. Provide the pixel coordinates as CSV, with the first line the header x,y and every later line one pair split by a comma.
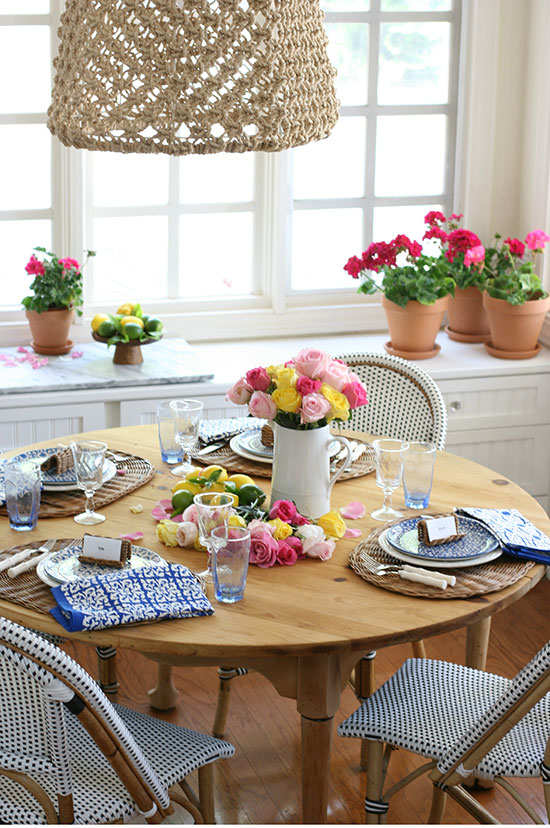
x,y
251,441
63,566
477,541
66,481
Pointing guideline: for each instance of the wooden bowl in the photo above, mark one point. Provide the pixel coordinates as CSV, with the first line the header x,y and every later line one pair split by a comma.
x,y
127,353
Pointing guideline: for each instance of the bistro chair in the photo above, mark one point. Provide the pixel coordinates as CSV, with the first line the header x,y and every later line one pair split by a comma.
x,y
406,405
468,723
68,755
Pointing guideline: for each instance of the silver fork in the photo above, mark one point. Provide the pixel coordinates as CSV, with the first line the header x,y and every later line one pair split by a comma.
x,y
31,562
408,573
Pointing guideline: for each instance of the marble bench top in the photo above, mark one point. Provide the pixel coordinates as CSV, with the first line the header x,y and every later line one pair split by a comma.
x,y
167,361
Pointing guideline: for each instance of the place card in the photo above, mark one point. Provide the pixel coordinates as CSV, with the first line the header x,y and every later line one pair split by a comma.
x,y
106,551
438,529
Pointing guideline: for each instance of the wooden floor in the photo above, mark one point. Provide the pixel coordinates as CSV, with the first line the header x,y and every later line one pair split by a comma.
x,y
261,784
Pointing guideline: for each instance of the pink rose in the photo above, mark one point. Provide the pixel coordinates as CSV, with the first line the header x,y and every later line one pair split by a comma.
x,y
256,524
314,407
474,255
263,548
322,550
239,393
262,405
190,515
296,544
187,533
69,263
355,393
305,385
34,267
311,362
536,239
286,554
336,374
258,379
300,520
284,509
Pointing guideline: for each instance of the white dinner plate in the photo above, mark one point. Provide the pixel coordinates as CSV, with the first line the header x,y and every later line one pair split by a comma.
x,y
109,471
236,447
63,566
430,564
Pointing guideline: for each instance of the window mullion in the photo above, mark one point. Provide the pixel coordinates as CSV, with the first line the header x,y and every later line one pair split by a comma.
x,y
372,102
174,172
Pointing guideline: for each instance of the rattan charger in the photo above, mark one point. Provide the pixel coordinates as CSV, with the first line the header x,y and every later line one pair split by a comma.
x,y
470,581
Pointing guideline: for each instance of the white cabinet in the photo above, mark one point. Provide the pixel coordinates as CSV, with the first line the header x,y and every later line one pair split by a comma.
x,y
21,425
141,412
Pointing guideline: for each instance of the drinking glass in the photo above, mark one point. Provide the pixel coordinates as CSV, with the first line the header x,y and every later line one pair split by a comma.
x,y
213,510
418,472
230,563
22,483
170,451
187,416
89,457
389,470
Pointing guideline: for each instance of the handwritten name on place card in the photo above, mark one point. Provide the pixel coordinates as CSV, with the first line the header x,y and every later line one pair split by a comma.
x,y
440,528
105,549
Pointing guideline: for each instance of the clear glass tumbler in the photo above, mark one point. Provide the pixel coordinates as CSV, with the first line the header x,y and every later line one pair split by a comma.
x,y
23,483
213,511
170,450
418,472
230,554
187,416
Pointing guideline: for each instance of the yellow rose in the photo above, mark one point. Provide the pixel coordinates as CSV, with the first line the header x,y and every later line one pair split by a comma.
x,y
282,530
287,399
272,370
338,402
237,520
332,524
286,377
198,546
166,532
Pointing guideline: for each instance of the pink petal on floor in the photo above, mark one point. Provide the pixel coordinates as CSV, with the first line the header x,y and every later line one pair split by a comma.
x,y
22,350
77,354
352,533
134,536
353,510
159,513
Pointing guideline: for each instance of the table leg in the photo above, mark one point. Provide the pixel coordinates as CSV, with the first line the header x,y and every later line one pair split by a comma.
x,y
164,696
477,642
316,745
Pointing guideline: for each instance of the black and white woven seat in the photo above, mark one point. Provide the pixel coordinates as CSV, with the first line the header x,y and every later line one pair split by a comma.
x,y
469,723
67,754
406,402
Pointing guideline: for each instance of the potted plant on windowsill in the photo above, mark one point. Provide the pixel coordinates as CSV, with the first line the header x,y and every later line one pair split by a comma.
x,y
514,298
57,294
462,252
415,288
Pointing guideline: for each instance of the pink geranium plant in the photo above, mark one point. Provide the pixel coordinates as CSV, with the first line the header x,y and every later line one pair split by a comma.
x,y
308,391
57,283
509,268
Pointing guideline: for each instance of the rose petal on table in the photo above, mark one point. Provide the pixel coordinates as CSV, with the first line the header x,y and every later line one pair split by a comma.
x,y
121,472
353,510
352,533
133,536
166,503
159,513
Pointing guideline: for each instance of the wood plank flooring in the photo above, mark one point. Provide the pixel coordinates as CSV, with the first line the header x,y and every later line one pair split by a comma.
x,y
261,784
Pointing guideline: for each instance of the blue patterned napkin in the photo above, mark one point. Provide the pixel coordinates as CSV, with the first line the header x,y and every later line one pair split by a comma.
x,y
212,430
129,597
516,535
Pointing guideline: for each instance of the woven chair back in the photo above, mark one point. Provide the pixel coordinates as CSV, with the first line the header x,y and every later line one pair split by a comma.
x,y
404,401
528,686
37,679
192,76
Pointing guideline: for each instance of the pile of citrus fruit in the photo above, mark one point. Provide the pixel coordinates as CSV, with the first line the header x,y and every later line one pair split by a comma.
x,y
128,323
249,496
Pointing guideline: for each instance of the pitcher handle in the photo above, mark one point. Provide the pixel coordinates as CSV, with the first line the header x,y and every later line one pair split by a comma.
x,y
345,443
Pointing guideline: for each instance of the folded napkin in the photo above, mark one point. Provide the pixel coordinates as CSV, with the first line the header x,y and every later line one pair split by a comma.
x,y
212,430
129,597
516,535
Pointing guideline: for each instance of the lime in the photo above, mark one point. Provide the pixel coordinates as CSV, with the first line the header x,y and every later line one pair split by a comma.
x,y
132,330
153,325
249,494
97,320
106,329
181,500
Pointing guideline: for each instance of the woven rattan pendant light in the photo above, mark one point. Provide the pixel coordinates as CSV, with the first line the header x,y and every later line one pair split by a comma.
x,y
192,76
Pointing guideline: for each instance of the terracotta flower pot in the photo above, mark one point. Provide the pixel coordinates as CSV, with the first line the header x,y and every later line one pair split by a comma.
x,y
515,329
50,330
413,329
467,317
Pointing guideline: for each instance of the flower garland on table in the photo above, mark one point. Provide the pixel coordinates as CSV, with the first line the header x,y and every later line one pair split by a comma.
x,y
283,536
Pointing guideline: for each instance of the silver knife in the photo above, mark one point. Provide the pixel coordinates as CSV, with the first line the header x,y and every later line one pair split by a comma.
x,y
208,449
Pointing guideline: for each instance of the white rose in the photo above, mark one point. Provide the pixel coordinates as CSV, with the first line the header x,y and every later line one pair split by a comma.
x,y
187,533
310,534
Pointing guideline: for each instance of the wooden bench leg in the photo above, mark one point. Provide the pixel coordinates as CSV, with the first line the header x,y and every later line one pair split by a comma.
x,y
225,674
106,660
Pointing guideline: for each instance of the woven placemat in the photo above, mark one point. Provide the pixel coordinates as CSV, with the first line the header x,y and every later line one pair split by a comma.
x,y
137,472
227,458
472,580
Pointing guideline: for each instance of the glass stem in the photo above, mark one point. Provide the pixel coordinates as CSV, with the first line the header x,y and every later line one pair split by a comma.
x,y
387,499
89,501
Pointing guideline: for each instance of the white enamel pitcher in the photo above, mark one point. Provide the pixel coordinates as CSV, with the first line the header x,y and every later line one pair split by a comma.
x,y
301,468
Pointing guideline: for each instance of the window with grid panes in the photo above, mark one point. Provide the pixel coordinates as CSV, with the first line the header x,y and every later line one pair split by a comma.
x,y
236,232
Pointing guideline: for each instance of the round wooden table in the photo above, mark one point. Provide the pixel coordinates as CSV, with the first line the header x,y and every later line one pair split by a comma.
x,y
304,627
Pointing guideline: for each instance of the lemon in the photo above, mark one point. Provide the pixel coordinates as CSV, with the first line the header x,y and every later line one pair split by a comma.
x,y
217,472
194,473
241,480
126,309
210,486
185,486
237,520
134,320
221,500
98,319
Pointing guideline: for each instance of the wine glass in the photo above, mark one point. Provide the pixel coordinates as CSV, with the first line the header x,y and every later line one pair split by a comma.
x,y
389,470
213,510
187,415
89,457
